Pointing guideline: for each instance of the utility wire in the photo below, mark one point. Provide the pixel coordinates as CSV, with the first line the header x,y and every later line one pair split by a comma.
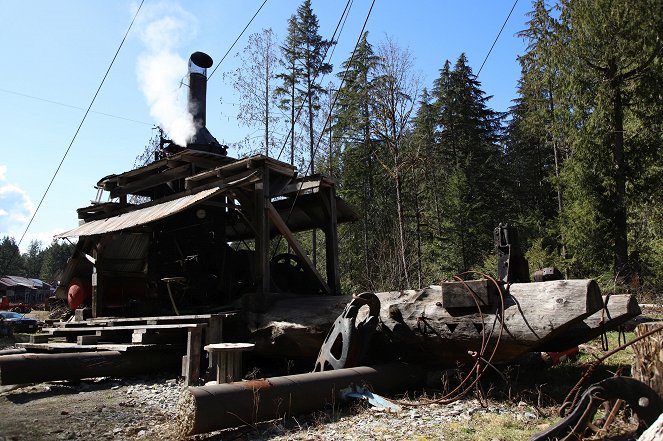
x,y
25,95
236,40
354,51
498,36
74,138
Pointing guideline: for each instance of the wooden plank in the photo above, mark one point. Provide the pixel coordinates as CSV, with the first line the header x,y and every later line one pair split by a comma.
x,y
65,347
39,338
152,180
193,354
156,319
462,294
296,247
64,331
87,340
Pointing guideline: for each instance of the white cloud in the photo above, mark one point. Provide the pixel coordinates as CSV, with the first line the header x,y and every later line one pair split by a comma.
x,y
16,207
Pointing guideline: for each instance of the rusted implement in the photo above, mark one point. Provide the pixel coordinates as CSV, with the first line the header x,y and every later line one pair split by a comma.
x,y
35,368
208,408
643,401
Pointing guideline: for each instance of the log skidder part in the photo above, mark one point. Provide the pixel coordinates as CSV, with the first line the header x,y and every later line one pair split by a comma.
x,y
347,340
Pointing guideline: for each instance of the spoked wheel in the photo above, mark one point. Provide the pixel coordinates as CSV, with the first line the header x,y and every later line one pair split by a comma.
x,y
348,339
289,274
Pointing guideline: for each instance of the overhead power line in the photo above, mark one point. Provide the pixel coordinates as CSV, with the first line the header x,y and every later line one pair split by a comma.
x,y
25,95
498,36
236,40
9,261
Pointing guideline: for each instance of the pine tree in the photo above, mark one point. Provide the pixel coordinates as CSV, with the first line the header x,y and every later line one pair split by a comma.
x,y
470,159
33,259
614,45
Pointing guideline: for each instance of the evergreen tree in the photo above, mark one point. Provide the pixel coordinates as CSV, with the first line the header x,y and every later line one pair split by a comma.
x,y
353,127
33,259
614,46
289,99
11,261
470,158
55,258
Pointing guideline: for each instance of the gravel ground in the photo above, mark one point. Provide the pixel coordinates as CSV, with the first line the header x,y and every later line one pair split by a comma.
x,y
144,408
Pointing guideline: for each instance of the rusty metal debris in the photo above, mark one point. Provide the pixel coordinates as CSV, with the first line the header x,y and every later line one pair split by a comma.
x,y
348,339
642,400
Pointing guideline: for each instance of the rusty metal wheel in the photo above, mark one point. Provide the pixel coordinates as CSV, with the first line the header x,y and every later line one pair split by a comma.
x,y
347,340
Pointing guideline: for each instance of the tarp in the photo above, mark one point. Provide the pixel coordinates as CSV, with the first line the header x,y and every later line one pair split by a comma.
x,y
140,216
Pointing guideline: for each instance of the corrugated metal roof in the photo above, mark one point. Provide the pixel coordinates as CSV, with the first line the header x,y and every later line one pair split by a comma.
x,y
138,217
23,281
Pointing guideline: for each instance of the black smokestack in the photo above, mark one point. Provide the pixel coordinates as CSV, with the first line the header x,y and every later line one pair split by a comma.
x,y
203,140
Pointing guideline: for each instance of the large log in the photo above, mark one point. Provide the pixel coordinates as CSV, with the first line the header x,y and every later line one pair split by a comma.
x,y
648,356
619,308
36,368
416,326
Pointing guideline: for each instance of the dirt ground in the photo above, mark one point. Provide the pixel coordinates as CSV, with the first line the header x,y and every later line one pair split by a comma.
x,y
99,409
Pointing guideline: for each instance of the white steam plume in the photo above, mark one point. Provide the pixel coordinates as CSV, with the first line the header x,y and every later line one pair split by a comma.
x,y
163,27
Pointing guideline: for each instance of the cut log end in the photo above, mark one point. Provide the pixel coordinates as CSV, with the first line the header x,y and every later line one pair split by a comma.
x,y
186,414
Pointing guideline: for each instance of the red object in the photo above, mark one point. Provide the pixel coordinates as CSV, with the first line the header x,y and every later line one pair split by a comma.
x,y
555,358
77,293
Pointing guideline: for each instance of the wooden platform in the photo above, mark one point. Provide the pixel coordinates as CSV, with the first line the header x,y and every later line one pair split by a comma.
x,y
186,334
74,347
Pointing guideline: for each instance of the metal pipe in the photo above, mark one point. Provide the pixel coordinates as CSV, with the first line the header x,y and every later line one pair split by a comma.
x,y
208,408
36,368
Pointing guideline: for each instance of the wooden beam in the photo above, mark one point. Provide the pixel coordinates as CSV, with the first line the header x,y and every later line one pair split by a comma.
x,y
296,246
152,180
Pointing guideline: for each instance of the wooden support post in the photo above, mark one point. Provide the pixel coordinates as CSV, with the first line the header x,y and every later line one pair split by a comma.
x,y
97,295
229,357
191,361
260,202
331,239
214,334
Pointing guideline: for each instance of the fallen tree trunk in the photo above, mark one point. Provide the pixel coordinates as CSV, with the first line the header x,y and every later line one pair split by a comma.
x,y
216,407
36,368
618,309
417,326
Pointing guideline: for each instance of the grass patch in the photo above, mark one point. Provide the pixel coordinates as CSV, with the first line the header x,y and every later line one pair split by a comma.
x,y
497,427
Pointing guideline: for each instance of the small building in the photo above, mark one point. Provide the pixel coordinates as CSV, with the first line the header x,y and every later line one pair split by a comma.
x,y
19,289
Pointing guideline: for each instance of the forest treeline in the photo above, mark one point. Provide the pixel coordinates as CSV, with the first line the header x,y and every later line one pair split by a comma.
x,y
38,262
575,163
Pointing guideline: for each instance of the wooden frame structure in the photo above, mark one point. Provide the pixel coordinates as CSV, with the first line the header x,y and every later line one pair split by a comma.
x,y
189,198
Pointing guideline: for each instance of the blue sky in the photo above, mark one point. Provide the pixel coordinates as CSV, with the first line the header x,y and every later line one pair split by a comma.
x,y
53,56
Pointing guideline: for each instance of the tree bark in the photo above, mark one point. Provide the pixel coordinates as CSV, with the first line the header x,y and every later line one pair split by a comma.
x,y
648,357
